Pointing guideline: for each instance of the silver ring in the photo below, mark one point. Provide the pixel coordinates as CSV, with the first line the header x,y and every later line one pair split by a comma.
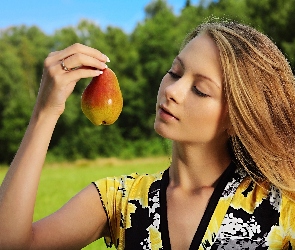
x,y
64,67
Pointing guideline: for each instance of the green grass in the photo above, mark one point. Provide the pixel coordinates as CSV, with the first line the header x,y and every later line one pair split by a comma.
x,y
61,181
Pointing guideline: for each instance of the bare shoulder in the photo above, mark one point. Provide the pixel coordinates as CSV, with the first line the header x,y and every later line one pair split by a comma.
x,y
79,222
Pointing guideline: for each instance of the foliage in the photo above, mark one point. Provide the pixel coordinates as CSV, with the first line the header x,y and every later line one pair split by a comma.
x,y
140,60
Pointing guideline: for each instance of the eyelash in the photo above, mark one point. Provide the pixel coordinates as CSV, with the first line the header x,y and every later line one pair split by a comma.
x,y
173,75
199,93
195,90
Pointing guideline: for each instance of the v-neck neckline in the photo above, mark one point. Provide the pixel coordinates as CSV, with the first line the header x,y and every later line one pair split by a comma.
x,y
200,231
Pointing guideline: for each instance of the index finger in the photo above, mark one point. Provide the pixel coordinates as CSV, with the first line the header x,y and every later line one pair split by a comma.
x,y
83,49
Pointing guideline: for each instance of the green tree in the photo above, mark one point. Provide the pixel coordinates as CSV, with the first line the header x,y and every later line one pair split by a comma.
x,y
156,6
31,46
277,20
188,3
156,43
14,103
20,67
230,9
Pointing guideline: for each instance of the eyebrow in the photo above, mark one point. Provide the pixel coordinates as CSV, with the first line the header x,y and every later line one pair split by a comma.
x,y
199,75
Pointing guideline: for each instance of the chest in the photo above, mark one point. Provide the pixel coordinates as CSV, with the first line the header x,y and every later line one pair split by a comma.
x,y
184,214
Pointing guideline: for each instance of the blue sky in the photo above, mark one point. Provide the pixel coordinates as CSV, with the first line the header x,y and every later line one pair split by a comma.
x,y
50,15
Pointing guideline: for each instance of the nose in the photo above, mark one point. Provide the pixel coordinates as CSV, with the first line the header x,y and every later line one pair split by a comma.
x,y
176,91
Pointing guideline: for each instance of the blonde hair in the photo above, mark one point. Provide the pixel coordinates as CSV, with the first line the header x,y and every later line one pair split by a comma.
x,y
260,91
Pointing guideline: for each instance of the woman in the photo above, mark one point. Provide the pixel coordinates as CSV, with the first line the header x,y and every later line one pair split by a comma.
x,y
227,103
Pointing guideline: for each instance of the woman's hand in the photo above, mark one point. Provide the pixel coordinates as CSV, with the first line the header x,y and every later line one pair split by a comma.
x,y
62,70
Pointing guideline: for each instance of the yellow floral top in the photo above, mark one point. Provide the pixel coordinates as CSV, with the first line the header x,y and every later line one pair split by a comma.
x,y
240,214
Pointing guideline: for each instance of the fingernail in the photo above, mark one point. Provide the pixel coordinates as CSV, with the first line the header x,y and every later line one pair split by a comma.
x,y
98,72
108,59
106,66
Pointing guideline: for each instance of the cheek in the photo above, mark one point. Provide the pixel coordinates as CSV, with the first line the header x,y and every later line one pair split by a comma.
x,y
211,116
220,118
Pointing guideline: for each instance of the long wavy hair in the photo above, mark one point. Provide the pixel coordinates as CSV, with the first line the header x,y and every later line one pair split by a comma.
x,y
260,91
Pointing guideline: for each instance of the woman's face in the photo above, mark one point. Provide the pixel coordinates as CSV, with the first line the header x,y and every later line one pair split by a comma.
x,y
190,105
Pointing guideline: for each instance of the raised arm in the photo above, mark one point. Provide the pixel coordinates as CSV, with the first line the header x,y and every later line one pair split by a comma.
x,y
73,225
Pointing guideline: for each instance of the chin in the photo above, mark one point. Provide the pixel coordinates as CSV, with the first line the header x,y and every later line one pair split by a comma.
x,y
162,131
159,129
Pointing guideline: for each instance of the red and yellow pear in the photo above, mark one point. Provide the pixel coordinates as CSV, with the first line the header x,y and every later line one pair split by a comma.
x,y
102,100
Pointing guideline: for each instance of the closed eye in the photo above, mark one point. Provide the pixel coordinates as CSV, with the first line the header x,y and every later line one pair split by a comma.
x,y
173,75
194,88
198,92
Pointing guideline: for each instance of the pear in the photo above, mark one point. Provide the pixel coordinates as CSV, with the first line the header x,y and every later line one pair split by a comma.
x,y
102,100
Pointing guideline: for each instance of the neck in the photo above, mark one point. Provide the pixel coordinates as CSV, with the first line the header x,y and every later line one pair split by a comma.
x,y
196,166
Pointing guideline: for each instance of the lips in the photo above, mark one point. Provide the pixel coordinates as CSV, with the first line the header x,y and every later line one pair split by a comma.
x,y
167,112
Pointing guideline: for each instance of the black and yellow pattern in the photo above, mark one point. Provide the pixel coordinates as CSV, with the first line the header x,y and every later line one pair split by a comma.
x,y
244,215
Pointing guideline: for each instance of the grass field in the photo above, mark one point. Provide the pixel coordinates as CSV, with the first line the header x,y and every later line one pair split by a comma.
x,y
60,181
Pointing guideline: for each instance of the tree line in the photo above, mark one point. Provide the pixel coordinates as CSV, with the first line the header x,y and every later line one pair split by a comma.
x,y
139,59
